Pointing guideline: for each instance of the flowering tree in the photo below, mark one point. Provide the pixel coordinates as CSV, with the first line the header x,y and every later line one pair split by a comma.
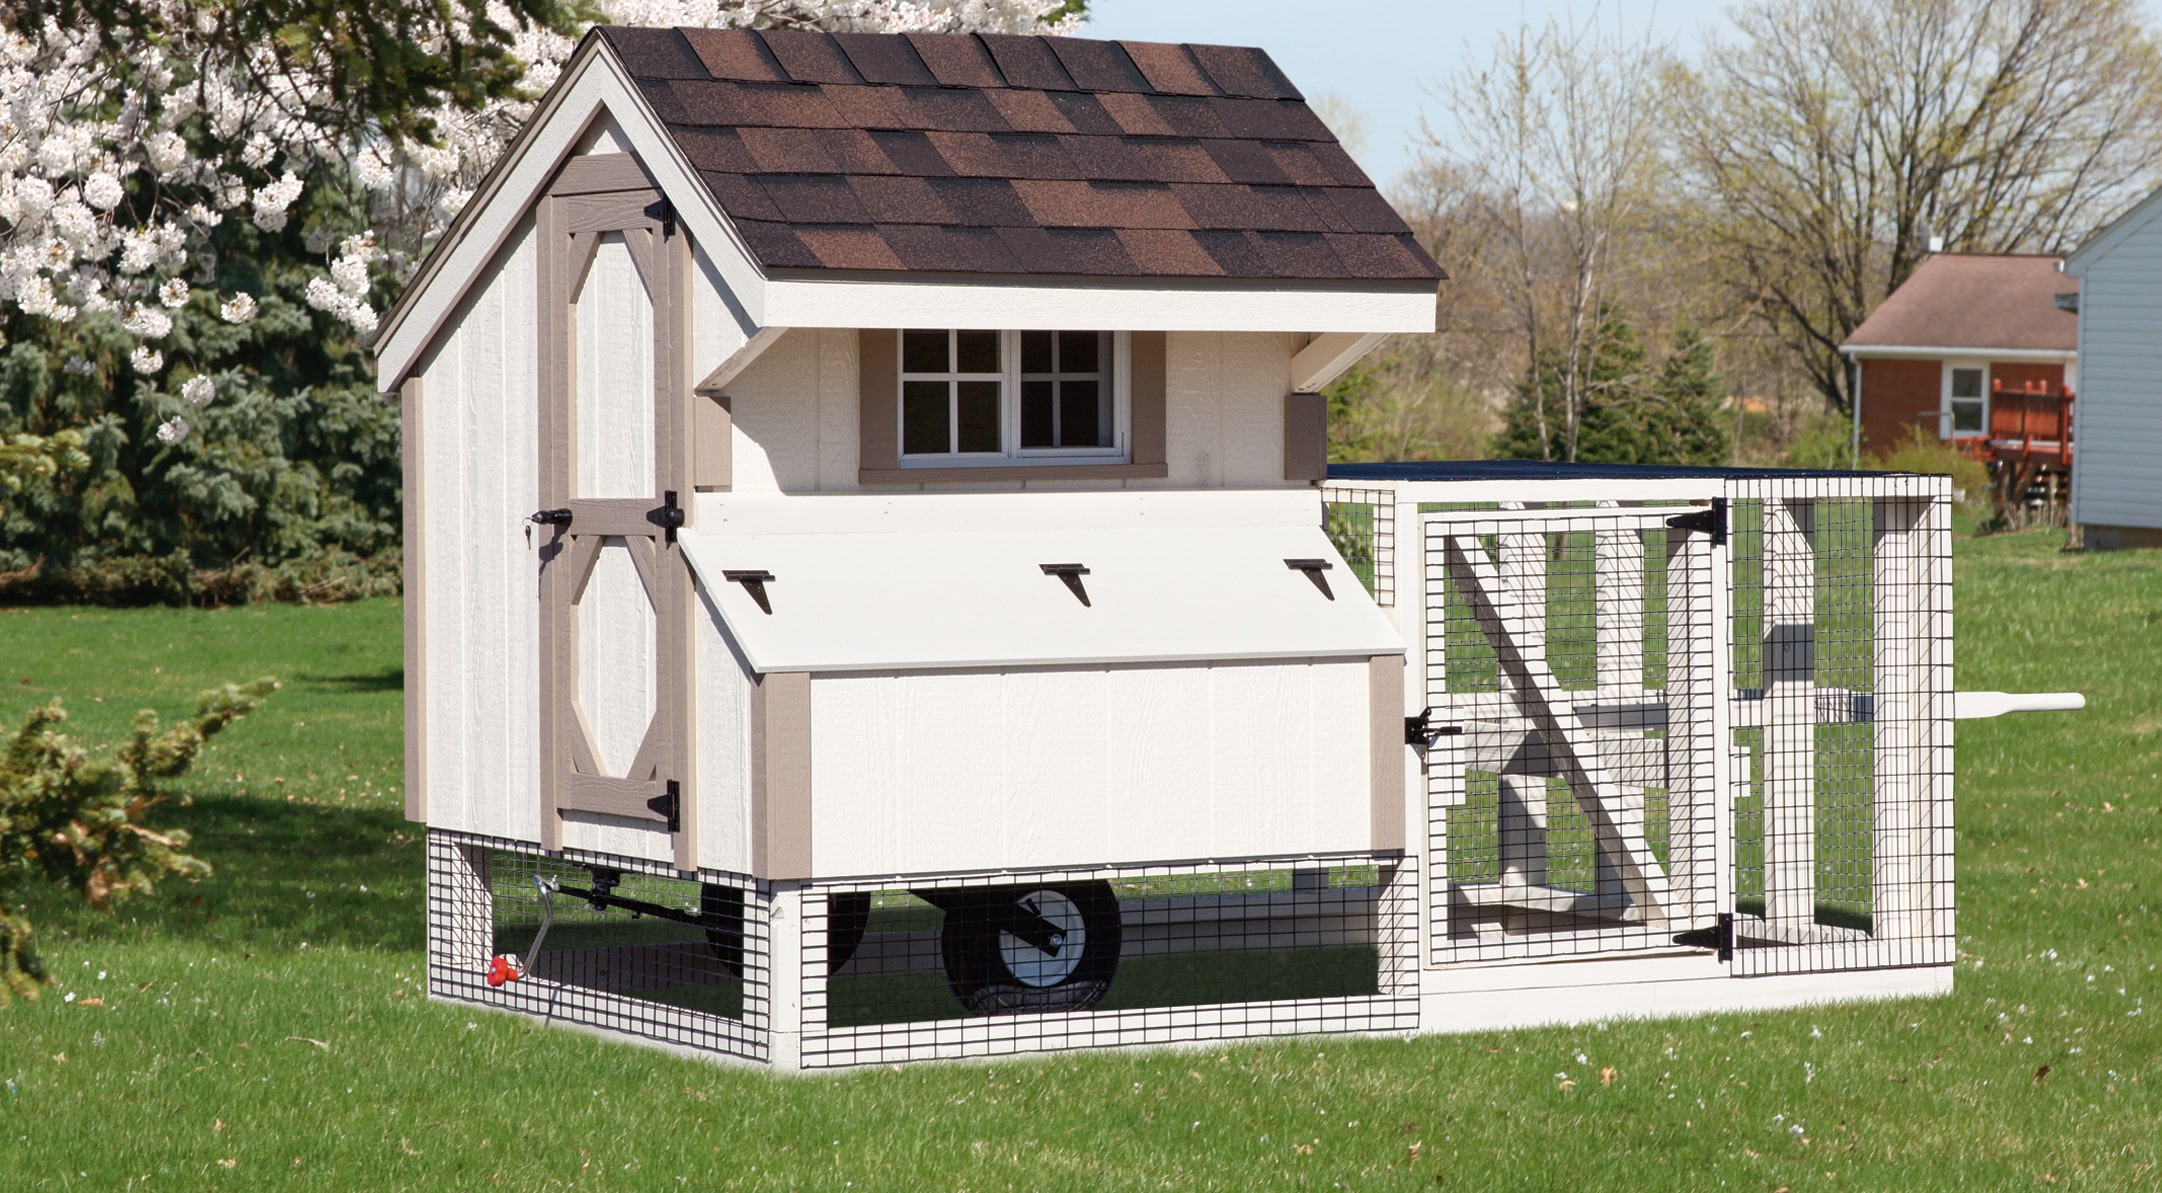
x,y
133,129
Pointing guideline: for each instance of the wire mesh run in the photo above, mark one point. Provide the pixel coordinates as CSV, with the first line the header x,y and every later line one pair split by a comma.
x,y
1057,960
629,946
1361,525
1569,751
1841,702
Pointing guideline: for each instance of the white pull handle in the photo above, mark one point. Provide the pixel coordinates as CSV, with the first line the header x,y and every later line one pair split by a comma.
x,y
1969,705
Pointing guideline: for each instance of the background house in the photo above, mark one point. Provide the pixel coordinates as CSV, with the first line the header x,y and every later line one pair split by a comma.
x,y
2117,495
1962,328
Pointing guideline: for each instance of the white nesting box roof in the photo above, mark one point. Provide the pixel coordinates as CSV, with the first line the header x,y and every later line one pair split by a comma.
x,y
923,581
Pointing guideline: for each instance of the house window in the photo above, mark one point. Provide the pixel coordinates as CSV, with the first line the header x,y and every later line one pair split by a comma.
x,y
1964,400
985,397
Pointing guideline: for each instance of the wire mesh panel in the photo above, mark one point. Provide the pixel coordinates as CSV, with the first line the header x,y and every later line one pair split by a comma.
x,y
1076,959
1361,524
609,942
1841,704
1569,745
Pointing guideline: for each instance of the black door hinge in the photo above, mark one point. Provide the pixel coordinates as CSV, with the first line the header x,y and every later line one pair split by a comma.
x,y
1712,521
1719,937
1313,569
670,805
668,516
551,518
755,584
668,219
1071,574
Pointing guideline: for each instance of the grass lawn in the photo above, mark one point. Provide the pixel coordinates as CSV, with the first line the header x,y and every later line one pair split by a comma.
x,y
266,1028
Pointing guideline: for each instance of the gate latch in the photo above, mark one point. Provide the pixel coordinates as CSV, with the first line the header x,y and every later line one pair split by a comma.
x,y
1421,730
668,516
551,518
669,805
1711,521
1719,937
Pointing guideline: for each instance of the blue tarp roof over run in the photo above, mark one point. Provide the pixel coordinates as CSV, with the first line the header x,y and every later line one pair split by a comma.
x,y
1479,470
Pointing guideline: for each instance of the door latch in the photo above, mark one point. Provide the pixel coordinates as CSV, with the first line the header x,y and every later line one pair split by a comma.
x,y
668,516
551,518
1712,521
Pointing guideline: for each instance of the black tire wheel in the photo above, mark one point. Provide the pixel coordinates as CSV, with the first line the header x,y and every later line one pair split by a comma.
x,y
1024,949
721,908
847,918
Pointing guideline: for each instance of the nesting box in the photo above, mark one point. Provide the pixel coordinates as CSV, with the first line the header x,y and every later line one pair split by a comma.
x,y
874,593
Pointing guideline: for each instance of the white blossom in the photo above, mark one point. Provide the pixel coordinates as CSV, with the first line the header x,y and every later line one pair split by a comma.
x,y
198,390
238,309
103,191
148,322
271,201
166,151
174,293
78,366
172,430
146,359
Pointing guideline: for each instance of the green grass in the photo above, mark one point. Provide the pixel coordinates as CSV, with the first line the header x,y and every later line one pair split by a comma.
x,y
216,995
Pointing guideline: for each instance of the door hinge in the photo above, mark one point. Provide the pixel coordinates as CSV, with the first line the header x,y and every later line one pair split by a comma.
x,y
670,805
1719,937
668,219
753,582
668,515
1313,569
1070,574
551,518
1712,521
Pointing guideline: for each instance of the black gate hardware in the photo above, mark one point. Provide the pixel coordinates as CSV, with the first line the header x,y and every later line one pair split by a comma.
x,y
605,879
1711,521
669,805
1720,937
1421,730
755,584
602,900
669,516
551,518
668,219
1071,573
1313,569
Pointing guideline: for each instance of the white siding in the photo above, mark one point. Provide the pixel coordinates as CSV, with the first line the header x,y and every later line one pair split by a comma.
x,y
722,721
480,456
1224,407
796,416
985,769
2118,436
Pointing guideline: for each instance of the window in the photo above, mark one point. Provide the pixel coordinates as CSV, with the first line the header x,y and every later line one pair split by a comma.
x,y
1964,400
970,397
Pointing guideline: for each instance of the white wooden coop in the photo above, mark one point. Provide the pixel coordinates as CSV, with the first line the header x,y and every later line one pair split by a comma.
x,y
874,594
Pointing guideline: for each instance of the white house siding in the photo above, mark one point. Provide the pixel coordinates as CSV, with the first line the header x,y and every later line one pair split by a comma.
x,y
1018,768
2116,480
479,460
796,415
1224,407
722,721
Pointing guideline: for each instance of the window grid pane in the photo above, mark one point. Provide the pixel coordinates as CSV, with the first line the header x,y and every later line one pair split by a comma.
x,y
960,388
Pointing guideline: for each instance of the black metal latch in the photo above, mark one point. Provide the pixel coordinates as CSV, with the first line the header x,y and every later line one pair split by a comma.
x,y
669,516
1421,730
551,518
1071,573
1712,521
755,584
1313,569
669,805
1719,937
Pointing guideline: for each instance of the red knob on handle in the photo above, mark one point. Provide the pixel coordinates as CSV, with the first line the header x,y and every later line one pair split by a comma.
x,y
500,971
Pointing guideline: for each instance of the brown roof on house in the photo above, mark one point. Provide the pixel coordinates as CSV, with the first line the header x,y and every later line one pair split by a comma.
x,y
1978,301
1000,154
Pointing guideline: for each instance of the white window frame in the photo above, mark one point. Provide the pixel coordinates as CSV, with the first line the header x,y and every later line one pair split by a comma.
x,y
1947,425
1119,383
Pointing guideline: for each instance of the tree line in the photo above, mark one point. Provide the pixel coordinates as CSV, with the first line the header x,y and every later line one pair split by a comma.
x,y
1606,208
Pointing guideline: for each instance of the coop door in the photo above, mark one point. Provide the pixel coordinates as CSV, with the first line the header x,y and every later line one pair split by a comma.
x,y
616,594
1569,763
1840,707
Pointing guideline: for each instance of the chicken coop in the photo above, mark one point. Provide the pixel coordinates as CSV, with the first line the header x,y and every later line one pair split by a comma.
x,y
875,592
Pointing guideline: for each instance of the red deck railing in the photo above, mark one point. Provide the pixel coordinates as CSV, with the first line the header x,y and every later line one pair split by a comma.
x,y
2030,426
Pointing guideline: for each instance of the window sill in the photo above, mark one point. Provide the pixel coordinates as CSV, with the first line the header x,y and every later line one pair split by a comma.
x,y
1006,474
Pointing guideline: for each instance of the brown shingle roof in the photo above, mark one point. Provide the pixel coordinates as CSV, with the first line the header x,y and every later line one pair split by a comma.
x,y
1003,154
1977,301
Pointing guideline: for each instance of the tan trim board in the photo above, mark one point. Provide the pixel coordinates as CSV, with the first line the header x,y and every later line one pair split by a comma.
x,y
713,431
600,173
558,658
1005,474
1145,404
1385,705
1306,437
878,374
416,638
614,212
781,775
612,797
